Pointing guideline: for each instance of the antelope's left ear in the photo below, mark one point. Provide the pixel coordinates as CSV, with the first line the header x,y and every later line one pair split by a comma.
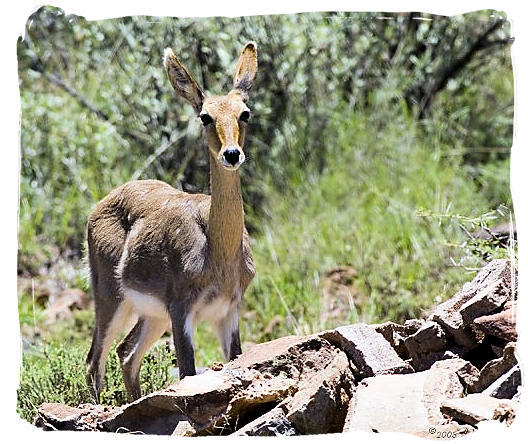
x,y
246,68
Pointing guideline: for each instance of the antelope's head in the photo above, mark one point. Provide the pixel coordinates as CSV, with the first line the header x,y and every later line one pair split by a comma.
x,y
224,117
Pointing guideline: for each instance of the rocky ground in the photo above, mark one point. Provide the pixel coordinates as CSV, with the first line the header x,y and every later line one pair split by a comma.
x,y
438,377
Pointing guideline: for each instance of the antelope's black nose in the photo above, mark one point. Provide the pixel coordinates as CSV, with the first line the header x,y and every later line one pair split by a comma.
x,y
232,156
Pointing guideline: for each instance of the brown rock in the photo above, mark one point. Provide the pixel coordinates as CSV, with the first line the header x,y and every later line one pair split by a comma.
x,y
479,407
307,382
273,423
369,351
487,300
501,325
253,394
267,355
494,369
53,416
442,382
395,334
319,405
467,373
426,361
487,291
301,374
259,395
184,428
412,325
389,403
507,385
429,344
429,340
315,402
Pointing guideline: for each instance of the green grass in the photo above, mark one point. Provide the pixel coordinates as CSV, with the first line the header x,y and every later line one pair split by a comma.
x,y
374,208
55,372
364,211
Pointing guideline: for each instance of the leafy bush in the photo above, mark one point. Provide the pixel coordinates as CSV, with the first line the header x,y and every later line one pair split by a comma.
x,y
97,109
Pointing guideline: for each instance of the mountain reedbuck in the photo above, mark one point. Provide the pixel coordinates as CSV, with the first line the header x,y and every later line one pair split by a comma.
x,y
160,257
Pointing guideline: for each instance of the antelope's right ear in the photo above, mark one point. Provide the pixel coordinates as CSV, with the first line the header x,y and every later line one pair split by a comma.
x,y
182,81
246,68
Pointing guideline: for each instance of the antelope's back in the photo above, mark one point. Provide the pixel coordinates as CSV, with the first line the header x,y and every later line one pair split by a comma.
x,y
113,217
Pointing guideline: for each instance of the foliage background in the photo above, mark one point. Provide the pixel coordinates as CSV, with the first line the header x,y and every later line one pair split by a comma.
x,y
379,142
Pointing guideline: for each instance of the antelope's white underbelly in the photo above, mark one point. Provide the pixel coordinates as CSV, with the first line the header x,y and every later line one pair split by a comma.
x,y
212,309
208,306
146,305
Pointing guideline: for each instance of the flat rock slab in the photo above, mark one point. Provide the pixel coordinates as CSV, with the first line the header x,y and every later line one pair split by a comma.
x,y
267,354
402,403
367,349
389,403
53,416
479,407
195,399
490,289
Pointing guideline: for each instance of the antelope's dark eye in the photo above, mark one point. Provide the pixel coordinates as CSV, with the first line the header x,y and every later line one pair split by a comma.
x,y
206,119
244,116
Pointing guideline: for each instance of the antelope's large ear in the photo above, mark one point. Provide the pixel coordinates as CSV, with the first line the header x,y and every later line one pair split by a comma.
x,y
182,81
246,68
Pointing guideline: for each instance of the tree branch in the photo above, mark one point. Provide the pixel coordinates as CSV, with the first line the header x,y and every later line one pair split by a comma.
x,y
458,64
72,92
36,65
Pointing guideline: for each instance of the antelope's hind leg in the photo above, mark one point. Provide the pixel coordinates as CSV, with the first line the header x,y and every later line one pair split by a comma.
x,y
108,325
133,348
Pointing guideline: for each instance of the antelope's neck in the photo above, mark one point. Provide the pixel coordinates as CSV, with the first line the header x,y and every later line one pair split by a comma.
x,y
226,215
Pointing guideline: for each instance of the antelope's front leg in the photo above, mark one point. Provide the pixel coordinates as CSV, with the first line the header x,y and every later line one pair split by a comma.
x,y
229,335
182,331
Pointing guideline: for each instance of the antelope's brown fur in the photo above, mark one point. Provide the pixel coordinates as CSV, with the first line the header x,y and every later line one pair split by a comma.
x,y
162,258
